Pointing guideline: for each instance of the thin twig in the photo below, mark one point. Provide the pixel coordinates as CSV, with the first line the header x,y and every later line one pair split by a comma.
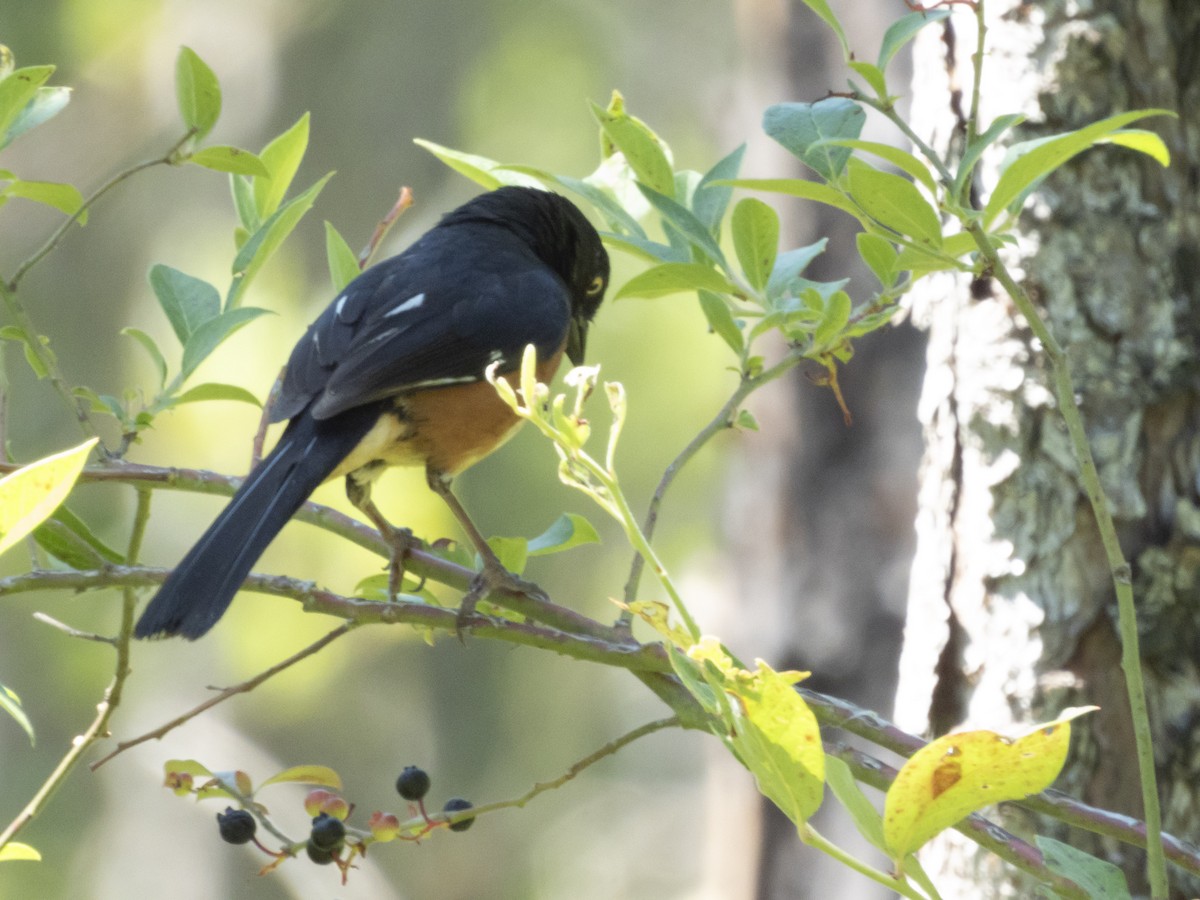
x,y
609,749
112,696
242,688
721,421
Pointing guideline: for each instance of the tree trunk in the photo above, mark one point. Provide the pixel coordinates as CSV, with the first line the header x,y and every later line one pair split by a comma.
x,y
809,498
1011,610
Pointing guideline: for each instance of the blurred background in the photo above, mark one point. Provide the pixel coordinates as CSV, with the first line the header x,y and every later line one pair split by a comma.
x,y
792,542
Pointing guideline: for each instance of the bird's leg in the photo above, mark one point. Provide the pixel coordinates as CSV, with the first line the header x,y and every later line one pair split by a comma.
x,y
493,577
401,540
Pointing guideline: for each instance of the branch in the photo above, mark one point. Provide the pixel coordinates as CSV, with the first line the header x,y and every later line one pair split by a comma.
x,y
617,650
420,562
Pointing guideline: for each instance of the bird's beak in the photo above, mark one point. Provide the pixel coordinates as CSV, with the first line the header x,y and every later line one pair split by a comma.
x,y
577,339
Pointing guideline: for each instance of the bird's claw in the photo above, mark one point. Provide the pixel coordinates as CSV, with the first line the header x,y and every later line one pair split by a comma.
x,y
403,542
493,579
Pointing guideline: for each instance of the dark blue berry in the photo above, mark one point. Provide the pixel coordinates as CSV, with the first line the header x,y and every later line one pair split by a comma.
x,y
413,783
237,825
457,804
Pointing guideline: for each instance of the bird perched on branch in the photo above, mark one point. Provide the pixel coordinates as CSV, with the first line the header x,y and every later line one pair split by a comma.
x,y
392,373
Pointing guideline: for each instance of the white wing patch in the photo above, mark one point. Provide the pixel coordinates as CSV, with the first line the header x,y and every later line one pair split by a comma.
x,y
405,306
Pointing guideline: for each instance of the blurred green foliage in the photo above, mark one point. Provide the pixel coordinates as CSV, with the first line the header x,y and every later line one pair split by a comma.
x,y
506,79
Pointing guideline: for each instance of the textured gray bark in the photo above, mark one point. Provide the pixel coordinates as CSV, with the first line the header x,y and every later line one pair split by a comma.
x,y
1011,611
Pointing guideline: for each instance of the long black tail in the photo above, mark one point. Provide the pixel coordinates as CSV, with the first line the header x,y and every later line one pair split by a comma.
x,y
203,585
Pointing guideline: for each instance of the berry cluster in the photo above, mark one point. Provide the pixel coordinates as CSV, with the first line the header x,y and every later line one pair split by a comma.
x,y
330,840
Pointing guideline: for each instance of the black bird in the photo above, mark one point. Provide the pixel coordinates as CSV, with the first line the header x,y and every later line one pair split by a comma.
x,y
392,373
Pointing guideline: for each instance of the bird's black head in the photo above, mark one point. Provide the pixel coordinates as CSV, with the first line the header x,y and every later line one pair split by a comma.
x,y
560,235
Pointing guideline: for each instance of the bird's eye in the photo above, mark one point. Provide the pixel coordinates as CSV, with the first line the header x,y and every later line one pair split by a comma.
x,y
596,287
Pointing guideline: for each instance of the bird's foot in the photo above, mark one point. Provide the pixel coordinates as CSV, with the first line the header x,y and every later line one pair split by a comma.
x,y
402,542
494,579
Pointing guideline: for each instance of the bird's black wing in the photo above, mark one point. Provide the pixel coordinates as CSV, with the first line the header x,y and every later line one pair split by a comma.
x,y
456,301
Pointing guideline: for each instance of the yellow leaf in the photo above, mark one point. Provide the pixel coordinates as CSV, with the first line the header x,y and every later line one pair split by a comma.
x,y
15,851
318,775
777,738
958,774
29,495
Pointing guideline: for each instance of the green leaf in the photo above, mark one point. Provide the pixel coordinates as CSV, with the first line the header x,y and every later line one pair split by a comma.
x,y
568,531
821,8
614,214
651,251
866,817
805,190
675,278
689,674
322,776
836,314
873,75
187,301
11,704
69,539
901,159
879,255
745,420
213,390
17,89
1143,141
205,339
904,30
712,194
230,159
64,515
1100,879
65,546
720,320
954,248
685,223
282,158
29,495
895,203
805,129
63,197
483,171
147,343
47,102
640,146
789,265
197,92
755,229
975,149
343,264
513,552
15,851
243,201
868,323
261,245
1027,164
